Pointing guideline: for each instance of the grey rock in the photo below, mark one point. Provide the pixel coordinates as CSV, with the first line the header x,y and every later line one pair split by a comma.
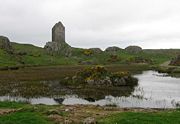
x,y
133,49
52,46
5,44
68,121
74,77
66,110
106,81
66,78
90,82
90,120
119,82
52,112
58,48
112,49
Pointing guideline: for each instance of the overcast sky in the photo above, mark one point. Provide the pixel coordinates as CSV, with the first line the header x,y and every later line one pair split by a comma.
x,y
94,23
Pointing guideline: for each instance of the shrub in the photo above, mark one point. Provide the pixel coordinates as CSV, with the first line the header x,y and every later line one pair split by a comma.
x,y
121,74
113,58
87,52
93,72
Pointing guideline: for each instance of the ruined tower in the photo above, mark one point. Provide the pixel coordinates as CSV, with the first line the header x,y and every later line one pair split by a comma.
x,y
58,32
58,44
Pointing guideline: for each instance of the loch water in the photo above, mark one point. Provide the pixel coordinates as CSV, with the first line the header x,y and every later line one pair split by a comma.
x,y
154,90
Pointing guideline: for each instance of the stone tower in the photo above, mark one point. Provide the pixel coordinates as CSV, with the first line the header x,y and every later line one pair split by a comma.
x,y
58,44
58,32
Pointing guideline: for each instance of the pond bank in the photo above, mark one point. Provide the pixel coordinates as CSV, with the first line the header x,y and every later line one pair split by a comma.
x,y
171,70
79,113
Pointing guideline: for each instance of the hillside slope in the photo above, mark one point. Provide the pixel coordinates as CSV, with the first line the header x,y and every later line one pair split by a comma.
x,y
26,54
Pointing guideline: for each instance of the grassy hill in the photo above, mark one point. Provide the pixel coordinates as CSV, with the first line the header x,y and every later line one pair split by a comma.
x,y
26,54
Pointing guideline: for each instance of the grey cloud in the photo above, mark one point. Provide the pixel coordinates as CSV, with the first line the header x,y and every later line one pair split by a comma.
x,y
93,23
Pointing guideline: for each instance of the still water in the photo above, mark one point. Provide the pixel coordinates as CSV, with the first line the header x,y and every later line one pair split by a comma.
x,y
154,90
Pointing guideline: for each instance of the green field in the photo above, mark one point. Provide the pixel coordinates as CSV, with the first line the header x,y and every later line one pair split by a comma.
x,y
26,55
168,117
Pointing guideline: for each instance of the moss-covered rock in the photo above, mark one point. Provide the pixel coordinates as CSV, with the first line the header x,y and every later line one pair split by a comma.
x,y
133,49
113,49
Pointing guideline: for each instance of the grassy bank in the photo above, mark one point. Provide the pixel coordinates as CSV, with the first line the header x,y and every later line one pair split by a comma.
x,y
167,117
21,113
24,118
171,70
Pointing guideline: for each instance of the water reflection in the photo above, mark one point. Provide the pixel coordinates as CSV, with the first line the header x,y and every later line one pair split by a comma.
x,y
155,90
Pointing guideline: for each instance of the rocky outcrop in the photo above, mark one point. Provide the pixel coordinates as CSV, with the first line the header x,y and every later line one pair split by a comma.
x,y
58,44
58,48
5,44
112,49
133,49
176,61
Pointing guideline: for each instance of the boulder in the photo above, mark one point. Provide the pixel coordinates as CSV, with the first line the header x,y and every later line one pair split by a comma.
x,y
112,49
119,82
90,120
5,44
176,61
106,81
133,49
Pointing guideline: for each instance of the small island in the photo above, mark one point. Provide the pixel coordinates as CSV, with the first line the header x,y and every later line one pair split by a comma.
x,y
98,76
